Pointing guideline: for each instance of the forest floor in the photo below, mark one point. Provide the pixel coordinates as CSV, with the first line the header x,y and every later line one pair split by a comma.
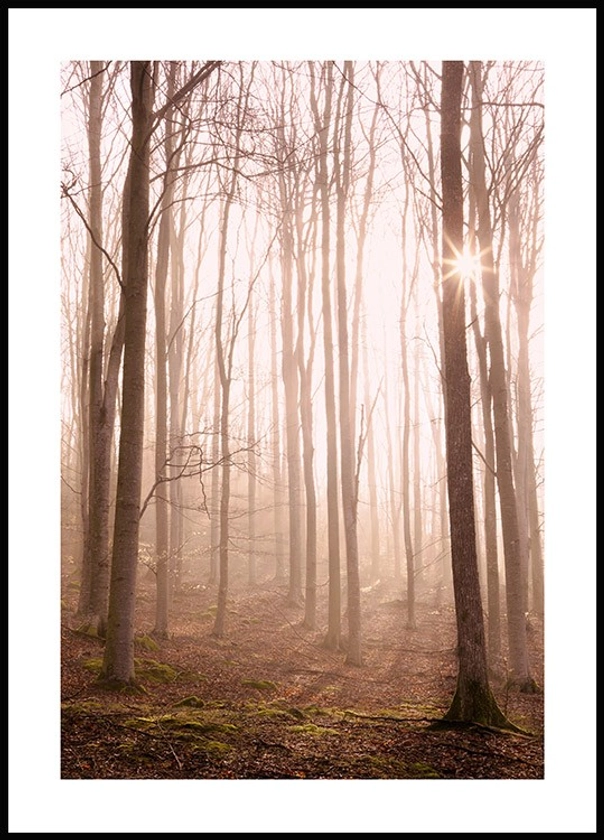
x,y
270,702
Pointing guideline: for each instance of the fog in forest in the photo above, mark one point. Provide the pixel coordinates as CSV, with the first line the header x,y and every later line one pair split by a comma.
x,y
302,417
293,322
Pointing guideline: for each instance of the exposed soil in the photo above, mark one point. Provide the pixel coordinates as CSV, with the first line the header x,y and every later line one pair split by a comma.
x,y
270,702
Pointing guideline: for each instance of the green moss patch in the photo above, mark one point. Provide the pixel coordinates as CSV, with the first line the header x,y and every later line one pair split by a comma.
x,y
419,770
145,642
213,747
93,665
154,671
193,702
313,729
261,685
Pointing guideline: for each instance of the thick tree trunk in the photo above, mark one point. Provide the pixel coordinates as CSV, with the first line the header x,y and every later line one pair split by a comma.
x,y
473,700
118,660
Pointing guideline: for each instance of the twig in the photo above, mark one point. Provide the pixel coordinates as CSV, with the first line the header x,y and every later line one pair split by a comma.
x,y
168,742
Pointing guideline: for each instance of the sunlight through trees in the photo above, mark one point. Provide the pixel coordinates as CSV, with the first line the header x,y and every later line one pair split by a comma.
x,y
268,297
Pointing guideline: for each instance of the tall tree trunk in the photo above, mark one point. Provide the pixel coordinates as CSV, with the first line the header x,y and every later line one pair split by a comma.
x,y
418,502
179,389
224,356
371,473
251,442
118,660
394,496
224,381
342,147
215,485
518,652
161,380
333,636
75,448
305,296
360,257
278,495
435,253
473,700
101,396
522,296
83,350
289,364
96,535
490,512
292,420
441,505
517,442
405,454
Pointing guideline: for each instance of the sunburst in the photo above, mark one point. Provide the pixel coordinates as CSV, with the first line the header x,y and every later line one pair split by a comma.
x,y
465,264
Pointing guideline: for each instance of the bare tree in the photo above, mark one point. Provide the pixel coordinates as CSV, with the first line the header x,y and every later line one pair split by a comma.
x,y
161,379
523,266
375,568
118,659
305,320
342,167
278,497
225,348
322,125
489,496
251,440
473,700
406,292
518,650
292,417
99,380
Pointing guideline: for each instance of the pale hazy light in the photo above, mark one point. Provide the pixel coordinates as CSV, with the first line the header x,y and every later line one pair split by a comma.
x,y
468,264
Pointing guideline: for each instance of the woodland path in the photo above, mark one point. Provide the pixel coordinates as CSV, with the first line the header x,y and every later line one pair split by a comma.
x,y
269,702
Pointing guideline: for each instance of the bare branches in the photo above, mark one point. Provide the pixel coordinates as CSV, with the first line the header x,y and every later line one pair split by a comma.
x,y
66,194
195,80
86,79
192,465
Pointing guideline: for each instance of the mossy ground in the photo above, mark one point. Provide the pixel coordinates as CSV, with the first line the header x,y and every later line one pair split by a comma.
x,y
271,702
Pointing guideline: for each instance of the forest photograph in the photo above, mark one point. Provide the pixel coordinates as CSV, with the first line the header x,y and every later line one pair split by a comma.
x,y
299,527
